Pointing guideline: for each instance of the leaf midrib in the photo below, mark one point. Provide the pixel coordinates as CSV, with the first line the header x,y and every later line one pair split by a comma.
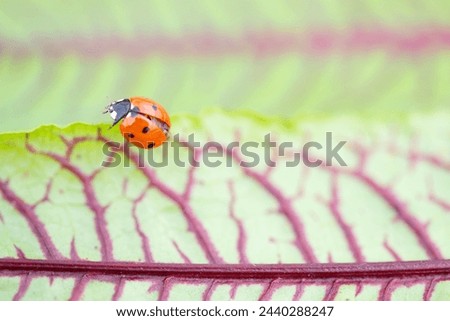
x,y
315,271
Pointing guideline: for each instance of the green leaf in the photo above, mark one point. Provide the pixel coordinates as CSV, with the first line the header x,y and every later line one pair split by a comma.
x,y
72,228
278,58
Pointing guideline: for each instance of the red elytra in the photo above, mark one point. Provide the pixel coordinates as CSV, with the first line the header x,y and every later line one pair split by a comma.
x,y
145,124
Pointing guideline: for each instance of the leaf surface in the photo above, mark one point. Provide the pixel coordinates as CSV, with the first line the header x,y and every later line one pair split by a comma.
x,y
74,229
282,58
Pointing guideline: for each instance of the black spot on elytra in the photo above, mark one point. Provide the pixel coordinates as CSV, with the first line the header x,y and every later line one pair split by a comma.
x,y
150,145
131,135
134,111
145,130
155,108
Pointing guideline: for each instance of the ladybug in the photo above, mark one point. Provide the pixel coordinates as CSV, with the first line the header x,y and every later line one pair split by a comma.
x,y
145,123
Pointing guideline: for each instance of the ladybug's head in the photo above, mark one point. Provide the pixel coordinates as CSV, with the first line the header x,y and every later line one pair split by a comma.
x,y
118,110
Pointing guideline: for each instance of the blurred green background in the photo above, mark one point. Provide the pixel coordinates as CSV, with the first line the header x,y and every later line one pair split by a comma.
x,y
62,62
